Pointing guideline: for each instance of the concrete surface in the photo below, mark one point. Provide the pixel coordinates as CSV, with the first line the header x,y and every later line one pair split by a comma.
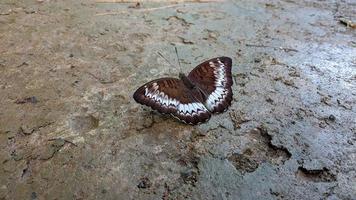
x,y
69,128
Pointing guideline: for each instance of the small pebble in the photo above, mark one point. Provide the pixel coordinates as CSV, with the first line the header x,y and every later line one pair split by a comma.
x,y
33,195
332,118
32,99
144,183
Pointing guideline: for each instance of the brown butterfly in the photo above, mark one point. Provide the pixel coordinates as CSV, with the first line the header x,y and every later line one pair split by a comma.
x,y
193,98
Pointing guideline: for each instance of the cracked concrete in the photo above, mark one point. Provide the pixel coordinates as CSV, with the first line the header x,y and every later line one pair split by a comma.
x,y
69,128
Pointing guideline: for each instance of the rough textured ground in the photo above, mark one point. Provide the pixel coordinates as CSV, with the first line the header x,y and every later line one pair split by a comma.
x,y
69,128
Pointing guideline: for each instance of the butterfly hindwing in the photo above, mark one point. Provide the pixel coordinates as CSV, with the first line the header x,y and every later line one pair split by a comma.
x,y
170,96
215,79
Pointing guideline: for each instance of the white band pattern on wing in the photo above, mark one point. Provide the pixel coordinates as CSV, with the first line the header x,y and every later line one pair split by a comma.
x,y
182,109
220,75
160,97
218,95
216,98
191,109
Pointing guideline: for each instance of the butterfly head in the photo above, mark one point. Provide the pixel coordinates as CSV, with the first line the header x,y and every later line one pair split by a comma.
x,y
182,76
187,82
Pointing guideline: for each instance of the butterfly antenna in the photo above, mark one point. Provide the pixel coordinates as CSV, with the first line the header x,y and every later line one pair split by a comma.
x,y
180,68
165,59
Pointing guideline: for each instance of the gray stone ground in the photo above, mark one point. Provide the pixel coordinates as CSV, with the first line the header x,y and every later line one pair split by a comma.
x,y
69,128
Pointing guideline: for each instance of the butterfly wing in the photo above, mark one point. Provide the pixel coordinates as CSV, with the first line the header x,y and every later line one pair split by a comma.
x,y
214,78
170,96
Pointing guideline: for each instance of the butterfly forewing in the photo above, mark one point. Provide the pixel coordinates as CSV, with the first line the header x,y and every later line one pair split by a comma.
x,y
214,78
171,96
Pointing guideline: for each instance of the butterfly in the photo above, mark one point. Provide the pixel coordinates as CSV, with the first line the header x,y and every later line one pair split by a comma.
x,y
193,98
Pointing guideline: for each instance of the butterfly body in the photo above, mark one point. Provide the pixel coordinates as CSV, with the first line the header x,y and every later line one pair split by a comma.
x,y
196,92
193,98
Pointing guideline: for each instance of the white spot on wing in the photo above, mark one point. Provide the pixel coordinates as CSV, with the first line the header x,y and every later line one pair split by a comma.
x,y
211,64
